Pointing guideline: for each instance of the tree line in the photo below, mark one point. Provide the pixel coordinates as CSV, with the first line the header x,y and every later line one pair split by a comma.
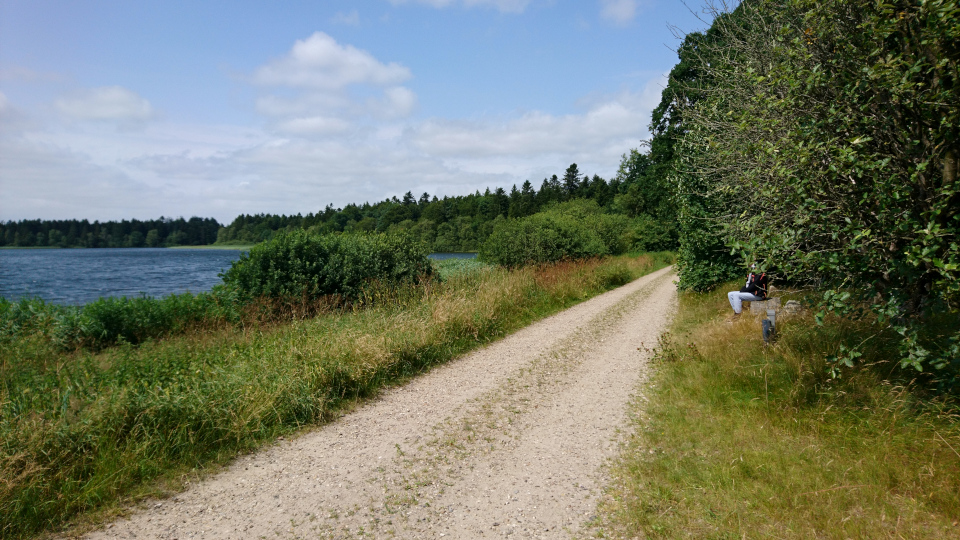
x,y
448,224
163,232
463,223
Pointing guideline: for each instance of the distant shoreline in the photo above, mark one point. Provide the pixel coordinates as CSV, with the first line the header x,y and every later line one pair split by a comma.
x,y
208,246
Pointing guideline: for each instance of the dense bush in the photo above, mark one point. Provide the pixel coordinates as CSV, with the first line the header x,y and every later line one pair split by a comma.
x,y
823,137
302,265
113,320
26,317
572,230
134,320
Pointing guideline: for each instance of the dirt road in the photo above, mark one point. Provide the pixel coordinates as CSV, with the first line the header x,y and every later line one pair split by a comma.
x,y
510,440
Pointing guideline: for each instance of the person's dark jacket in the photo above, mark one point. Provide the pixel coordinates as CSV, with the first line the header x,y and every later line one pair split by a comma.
x,y
756,285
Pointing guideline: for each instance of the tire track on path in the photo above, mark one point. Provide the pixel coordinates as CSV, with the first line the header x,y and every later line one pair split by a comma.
x,y
510,440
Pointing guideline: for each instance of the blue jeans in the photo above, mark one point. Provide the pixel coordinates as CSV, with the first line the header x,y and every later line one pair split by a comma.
x,y
736,299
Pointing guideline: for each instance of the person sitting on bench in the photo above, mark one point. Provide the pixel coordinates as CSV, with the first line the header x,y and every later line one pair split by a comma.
x,y
755,290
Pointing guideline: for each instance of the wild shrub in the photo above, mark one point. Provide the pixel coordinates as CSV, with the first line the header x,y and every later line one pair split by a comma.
x,y
573,230
108,321
302,265
450,268
24,317
822,137
134,320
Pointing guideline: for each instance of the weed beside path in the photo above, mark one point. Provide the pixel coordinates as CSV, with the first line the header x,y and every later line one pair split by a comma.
x,y
739,440
85,430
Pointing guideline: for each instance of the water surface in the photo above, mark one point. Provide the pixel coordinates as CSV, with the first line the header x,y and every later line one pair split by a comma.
x,y
78,276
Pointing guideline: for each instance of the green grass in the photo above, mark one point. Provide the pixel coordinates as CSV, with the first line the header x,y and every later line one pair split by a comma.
x,y
739,440
238,246
108,321
84,432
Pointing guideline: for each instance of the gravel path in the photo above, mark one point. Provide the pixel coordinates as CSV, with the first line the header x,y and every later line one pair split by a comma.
x,y
510,440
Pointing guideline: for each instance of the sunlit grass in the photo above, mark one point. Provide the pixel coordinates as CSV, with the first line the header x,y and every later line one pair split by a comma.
x,y
742,440
85,431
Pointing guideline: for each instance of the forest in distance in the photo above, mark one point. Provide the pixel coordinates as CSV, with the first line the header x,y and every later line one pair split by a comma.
x,y
81,233
448,224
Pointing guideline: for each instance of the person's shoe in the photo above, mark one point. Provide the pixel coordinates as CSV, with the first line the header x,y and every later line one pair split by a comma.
x,y
734,318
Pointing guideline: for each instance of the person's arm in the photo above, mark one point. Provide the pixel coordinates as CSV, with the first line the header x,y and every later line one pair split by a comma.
x,y
751,285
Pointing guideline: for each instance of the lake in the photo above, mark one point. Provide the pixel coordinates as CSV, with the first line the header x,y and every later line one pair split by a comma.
x,y
78,276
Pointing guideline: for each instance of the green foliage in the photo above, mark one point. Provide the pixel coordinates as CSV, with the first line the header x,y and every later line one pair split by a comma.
x,y
572,230
134,320
109,321
133,233
704,260
303,265
294,266
827,146
25,317
736,439
463,223
82,430
451,268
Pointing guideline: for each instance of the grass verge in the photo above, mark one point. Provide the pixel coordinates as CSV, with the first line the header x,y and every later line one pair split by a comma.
x,y
86,431
738,440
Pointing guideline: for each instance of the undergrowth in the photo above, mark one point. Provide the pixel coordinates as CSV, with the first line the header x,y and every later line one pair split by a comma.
x,y
742,440
82,431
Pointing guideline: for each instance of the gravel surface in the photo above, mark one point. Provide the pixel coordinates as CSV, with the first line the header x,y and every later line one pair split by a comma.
x,y
510,440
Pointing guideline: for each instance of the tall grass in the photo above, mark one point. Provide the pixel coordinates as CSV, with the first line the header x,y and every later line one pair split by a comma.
x,y
80,431
742,440
108,321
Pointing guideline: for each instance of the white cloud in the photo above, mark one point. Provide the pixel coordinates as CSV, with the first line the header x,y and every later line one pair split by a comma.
x,y
619,12
109,103
350,18
5,107
397,102
305,157
319,62
323,88
301,175
504,6
42,180
314,125
609,126
279,106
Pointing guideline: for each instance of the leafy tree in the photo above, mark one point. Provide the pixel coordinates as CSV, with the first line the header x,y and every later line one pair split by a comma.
x,y
153,238
828,141
703,257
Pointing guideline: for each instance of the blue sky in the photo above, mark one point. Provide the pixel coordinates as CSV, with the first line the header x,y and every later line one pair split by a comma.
x,y
137,109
